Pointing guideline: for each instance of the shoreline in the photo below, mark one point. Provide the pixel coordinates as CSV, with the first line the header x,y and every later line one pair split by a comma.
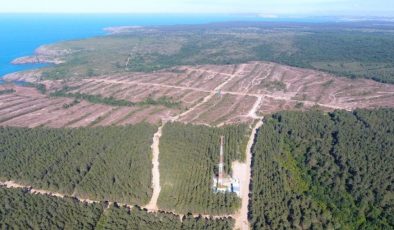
x,y
44,54
51,55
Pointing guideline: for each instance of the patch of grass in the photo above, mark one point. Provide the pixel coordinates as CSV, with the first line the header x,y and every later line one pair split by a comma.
x,y
165,101
299,105
39,86
328,83
274,85
7,91
95,99
98,99
294,180
68,105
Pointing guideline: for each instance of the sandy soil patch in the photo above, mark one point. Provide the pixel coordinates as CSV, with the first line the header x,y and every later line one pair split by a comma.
x,y
101,111
115,116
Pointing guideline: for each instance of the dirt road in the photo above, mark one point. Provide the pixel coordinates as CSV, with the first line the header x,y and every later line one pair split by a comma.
x,y
152,205
243,172
213,92
252,112
13,184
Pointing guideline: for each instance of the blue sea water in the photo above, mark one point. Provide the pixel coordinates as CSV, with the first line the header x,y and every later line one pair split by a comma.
x,y
21,34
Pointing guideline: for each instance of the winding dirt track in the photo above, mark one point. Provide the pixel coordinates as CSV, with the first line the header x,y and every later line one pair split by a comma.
x,y
13,184
213,92
195,89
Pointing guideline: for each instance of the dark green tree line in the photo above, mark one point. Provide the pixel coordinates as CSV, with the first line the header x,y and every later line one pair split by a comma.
x,y
21,210
105,163
314,170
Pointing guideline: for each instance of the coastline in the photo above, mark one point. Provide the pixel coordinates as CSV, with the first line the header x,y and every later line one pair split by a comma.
x,y
23,33
31,75
45,54
50,54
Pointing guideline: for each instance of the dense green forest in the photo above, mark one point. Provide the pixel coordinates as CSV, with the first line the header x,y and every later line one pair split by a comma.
x,y
350,49
348,53
123,218
189,155
111,163
315,170
22,210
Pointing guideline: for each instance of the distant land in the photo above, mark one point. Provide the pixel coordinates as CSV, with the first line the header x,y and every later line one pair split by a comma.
x,y
50,28
259,123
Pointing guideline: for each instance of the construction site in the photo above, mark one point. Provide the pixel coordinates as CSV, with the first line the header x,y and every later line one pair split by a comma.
x,y
223,182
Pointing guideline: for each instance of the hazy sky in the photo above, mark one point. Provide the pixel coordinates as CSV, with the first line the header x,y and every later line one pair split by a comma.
x,y
264,7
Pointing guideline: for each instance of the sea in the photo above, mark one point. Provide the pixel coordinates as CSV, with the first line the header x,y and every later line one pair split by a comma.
x,y
21,34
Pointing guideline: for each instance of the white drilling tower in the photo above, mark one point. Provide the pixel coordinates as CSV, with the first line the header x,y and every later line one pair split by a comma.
x,y
224,182
220,176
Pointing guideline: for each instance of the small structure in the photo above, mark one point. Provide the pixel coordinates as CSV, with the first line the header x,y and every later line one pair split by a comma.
x,y
223,182
219,93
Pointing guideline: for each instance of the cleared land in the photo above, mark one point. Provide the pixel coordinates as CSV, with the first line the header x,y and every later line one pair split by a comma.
x,y
28,108
206,94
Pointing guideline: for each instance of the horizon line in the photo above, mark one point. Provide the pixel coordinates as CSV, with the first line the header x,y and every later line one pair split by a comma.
x,y
259,15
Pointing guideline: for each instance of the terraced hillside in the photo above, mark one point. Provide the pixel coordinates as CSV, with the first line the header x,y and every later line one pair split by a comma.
x,y
207,94
28,108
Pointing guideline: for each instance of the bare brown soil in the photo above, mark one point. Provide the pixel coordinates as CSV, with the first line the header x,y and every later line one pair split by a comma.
x,y
208,94
99,112
115,116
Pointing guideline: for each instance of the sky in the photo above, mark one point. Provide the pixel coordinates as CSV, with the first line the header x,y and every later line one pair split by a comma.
x,y
265,8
